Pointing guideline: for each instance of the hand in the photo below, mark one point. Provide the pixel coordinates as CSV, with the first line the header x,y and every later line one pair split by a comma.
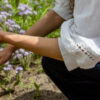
x,y
2,34
5,55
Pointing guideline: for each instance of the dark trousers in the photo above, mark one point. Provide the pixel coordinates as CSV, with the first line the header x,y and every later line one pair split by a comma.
x,y
78,84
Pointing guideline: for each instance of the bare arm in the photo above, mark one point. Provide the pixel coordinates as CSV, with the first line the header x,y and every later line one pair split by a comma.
x,y
44,26
43,46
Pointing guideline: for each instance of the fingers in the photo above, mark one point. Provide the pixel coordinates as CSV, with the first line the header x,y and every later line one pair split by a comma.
x,y
5,55
2,61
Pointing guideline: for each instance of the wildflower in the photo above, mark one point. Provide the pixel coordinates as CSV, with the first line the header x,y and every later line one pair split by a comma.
x,y
15,57
5,1
18,69
11,21
12,26
5,13
29,8
27,12
16,26
8,6
3,7
11,29
7,24
21,13
22,31
35,12
24,9
19,56
22,51
7,68
17,52
2,18
26,53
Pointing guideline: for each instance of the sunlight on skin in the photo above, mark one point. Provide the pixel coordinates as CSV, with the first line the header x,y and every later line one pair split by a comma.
x,y
43,46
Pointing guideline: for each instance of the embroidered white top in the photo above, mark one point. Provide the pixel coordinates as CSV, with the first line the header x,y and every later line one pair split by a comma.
x,y
80,36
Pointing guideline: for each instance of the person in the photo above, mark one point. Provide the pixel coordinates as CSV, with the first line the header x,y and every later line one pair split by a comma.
x,y
72,61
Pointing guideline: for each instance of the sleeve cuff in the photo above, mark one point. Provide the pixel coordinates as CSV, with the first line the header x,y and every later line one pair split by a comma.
x,y
68,59
63,9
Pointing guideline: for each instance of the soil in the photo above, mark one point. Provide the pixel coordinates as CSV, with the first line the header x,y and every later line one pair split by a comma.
x,y
25,91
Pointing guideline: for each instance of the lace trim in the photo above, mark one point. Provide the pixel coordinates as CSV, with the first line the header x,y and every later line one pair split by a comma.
x,y
86,52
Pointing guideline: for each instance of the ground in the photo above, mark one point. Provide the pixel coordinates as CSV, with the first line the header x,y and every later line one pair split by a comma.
x,y
26,91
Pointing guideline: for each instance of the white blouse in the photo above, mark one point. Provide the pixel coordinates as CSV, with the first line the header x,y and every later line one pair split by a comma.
x,y
80,36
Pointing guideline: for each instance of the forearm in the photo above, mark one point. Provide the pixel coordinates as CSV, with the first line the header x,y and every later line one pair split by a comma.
x,y
44,26
43,46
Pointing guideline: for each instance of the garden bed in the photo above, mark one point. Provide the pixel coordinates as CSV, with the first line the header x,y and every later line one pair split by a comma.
x,y
25,91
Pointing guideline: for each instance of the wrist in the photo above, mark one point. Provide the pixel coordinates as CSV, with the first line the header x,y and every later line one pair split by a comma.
x,y
5,40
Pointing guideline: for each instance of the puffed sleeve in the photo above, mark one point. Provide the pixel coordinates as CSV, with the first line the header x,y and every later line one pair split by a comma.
x,y
63,9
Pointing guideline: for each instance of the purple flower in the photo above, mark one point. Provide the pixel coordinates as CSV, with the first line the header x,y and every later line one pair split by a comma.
x,y
5,13
7,24
8,68
22,31
2,18
17,52
29,8
26,53
15,57
11,21
11,29
18,69
21,8
24,9
8,6
3,7
16,26
27,12
35,12
22,51
19,56
5,1
21,13
12,26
